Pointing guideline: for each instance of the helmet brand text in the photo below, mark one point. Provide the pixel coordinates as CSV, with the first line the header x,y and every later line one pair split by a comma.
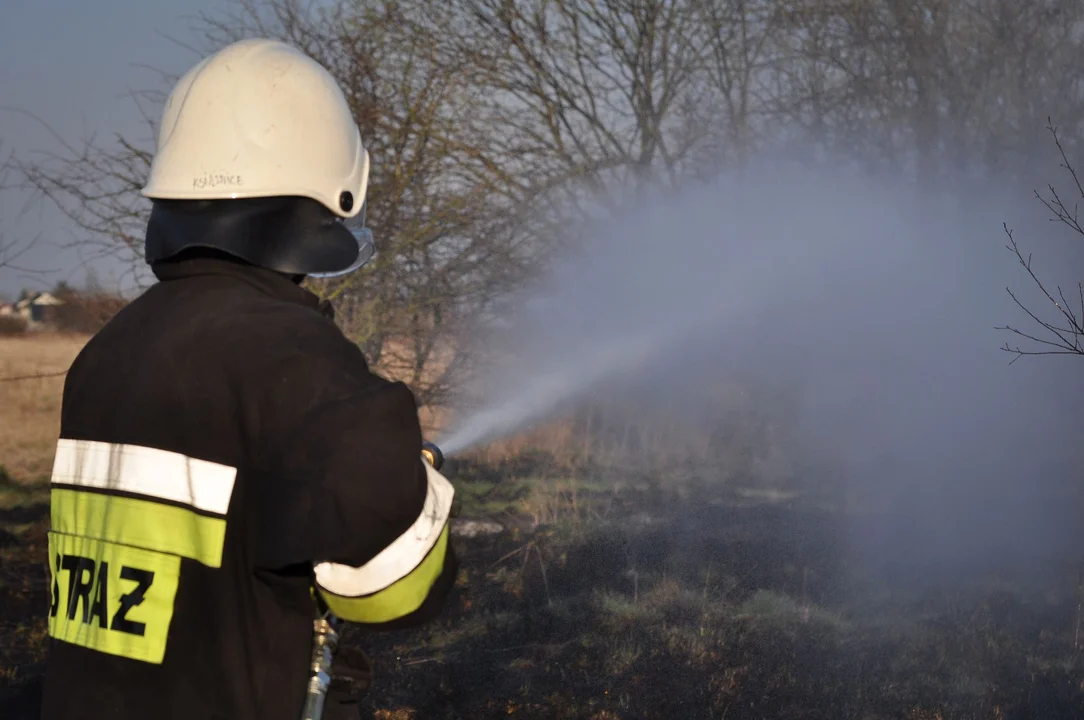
x,y
211,180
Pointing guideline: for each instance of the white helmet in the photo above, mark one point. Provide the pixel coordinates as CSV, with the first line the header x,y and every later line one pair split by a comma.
x,y
258,120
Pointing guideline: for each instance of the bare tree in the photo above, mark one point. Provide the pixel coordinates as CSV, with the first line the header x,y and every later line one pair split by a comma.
x,y
929,86
739,46
581,94
1059,329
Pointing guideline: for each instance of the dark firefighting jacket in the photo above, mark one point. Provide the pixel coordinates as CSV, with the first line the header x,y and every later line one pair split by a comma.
x,y
227,460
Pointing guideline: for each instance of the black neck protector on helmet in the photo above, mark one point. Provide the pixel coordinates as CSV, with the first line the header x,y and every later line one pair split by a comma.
x,y
290,235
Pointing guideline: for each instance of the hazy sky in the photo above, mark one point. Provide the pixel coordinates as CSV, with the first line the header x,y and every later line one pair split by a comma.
x,y
72,63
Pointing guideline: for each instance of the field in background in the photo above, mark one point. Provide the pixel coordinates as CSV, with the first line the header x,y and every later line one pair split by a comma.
x,y
609,594
30,407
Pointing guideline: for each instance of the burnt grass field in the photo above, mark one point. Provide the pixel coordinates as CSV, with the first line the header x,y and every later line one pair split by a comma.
x,y
645,603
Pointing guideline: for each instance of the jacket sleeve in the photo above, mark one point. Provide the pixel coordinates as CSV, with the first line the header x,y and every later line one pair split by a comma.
x,y
352,498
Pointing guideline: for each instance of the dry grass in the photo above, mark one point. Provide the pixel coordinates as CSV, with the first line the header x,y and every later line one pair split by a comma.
x,y
30,408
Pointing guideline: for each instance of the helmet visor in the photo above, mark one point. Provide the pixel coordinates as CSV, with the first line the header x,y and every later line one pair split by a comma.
x,y
366,249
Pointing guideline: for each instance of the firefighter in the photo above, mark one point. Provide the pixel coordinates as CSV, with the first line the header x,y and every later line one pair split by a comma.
x,y
228,468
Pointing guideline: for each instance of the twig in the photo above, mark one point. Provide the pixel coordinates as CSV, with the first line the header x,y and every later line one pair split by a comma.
x,y
704,599
515,552
527,548
1068,338
40,376
1079,609
545,582
531,646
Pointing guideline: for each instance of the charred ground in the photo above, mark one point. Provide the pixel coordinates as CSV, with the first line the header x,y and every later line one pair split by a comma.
x,y
651,603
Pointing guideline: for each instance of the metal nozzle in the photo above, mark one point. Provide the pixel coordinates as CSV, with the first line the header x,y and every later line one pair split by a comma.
x,y
435,457
432,455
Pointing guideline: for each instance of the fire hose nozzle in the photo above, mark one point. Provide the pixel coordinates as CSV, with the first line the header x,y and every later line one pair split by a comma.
x,y
432,455
435,457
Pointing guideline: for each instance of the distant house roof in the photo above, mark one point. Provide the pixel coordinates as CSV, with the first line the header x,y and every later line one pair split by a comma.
x,y
40,298
47,299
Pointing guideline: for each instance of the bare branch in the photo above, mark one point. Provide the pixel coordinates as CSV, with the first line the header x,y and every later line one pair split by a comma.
x,y
1064,338
13,248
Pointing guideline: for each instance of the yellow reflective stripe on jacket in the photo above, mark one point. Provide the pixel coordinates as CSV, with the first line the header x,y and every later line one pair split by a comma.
x,y
111,598
398,599
397,580
403,554
139,523
124,518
